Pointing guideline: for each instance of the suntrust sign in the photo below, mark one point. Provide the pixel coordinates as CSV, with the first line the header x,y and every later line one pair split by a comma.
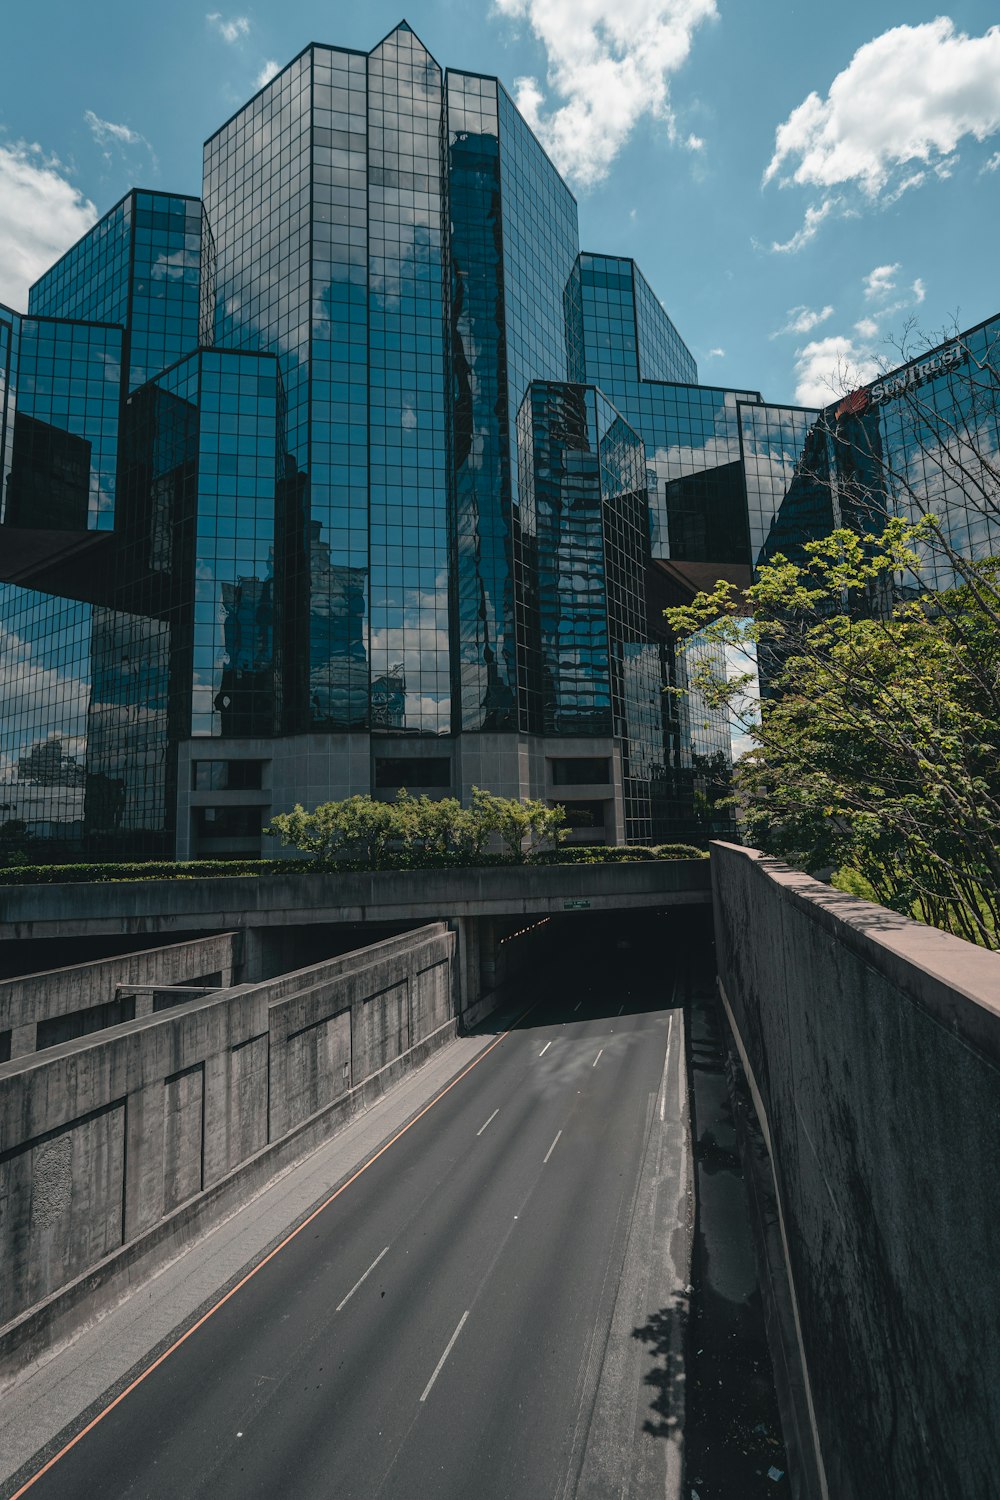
x,y
891,386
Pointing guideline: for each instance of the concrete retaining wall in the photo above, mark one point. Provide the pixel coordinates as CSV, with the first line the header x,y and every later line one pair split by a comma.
x,y
105,1139
871,1046
70,999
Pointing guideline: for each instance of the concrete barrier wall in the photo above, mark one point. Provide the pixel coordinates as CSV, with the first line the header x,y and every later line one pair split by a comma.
x,y
103,1138
871,1046
64,995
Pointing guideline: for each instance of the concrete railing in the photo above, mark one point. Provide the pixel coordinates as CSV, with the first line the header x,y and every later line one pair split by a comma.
x,y
154,906
118,1148
871,1046
36,1008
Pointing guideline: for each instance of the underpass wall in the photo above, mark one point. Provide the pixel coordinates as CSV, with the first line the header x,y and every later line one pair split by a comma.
x,y
119,1148
870,1046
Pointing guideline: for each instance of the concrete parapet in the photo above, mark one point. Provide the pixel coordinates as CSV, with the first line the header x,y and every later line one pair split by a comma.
x,y
67,1000
871,1048
105,1138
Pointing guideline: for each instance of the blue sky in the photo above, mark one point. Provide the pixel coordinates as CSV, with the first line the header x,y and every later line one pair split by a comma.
x,y
797,182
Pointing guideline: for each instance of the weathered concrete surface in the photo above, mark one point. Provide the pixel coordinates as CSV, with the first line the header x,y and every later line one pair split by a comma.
x,y
872,1049
111,1145
58,994
152,906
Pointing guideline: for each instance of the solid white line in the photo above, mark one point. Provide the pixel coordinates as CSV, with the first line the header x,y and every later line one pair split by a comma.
x,y
450,1347
488,1122
577,1006
621,1007
552,1147
361,1279
597,1059
666,1060
545,1049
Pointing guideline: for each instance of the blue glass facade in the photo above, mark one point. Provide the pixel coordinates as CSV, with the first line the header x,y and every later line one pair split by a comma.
x,y
60,389
408,492
485,668
926,440
140,267
357,471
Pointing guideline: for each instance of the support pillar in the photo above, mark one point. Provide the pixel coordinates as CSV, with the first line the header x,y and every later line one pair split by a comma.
x,y
468,981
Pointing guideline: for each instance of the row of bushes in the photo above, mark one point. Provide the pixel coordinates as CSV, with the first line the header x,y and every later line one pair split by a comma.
x,y
375,831
413,859
617,854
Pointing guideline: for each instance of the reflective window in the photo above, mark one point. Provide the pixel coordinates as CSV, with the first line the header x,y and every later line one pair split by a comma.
x,y
581,770
423,771
227,822
226,775
59,402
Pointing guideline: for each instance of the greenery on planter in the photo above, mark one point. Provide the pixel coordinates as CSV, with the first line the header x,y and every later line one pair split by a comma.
x,y
378,832
397,859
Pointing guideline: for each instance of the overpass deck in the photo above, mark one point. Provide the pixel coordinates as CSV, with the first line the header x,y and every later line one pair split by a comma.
x,y
232,903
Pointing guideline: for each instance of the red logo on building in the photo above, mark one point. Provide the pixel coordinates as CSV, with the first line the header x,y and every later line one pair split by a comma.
x,y
854,404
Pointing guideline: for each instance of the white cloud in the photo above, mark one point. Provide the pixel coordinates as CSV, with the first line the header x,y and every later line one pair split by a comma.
x,y
831,367
810,227
992,164
609,62
43,215
879,285
908,96
866,328
879,282
716,353
267,72
107,135
695,142
104,131
231,30
914,180
803,320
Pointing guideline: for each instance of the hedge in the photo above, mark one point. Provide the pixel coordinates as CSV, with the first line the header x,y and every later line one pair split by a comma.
x,y
573,854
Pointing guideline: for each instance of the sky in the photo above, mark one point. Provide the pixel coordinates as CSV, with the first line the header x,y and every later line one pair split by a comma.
x,y
804,187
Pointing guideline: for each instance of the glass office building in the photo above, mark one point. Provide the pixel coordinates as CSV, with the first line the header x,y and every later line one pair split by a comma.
x,y
355,473
925,440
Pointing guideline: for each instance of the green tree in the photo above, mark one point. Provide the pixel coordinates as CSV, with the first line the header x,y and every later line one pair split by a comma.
x,y
518,822
356,828
875,747
372,832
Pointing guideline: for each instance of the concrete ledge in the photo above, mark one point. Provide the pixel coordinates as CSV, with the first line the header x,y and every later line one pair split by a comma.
x,y
870,1044
954,982
63,1314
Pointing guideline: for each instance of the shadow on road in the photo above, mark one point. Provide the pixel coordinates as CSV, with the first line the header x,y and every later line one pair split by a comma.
x,y
664,1336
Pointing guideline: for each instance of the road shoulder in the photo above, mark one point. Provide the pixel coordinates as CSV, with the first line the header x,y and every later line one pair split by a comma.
x,y
635,1443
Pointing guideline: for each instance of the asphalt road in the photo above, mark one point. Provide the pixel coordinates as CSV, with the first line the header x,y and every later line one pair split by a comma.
x,y
439,1329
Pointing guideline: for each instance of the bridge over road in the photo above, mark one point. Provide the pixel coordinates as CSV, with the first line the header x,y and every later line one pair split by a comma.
x,y
228,904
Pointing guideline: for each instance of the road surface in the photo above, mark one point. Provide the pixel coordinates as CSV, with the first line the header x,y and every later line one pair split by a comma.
x,y
446,1325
